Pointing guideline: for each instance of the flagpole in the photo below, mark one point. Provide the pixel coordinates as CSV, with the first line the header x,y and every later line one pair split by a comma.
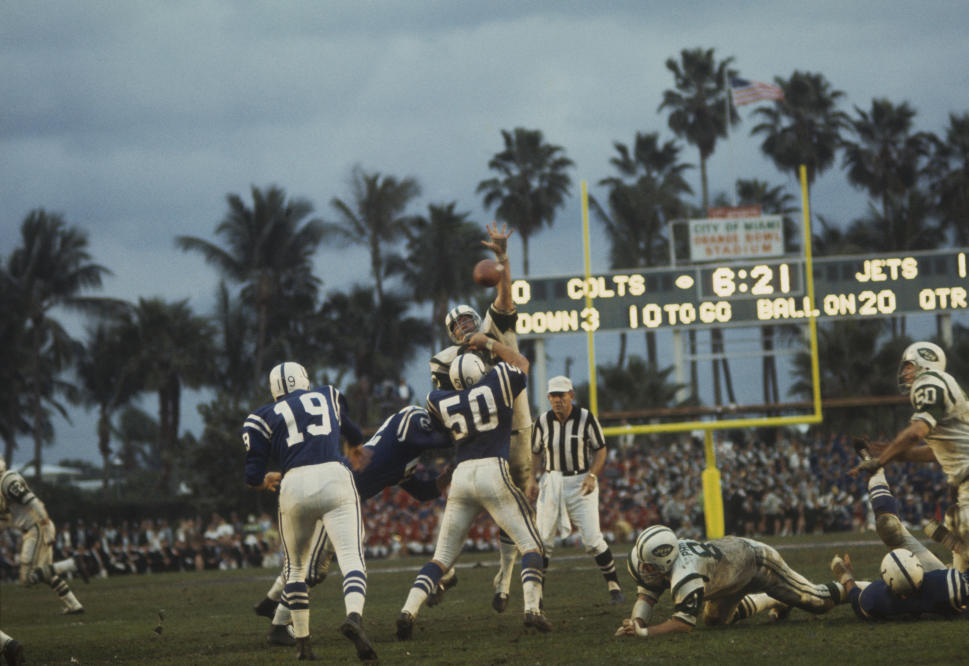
x,y
733,180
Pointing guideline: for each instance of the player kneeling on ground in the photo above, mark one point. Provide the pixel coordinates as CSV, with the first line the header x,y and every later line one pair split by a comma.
x,y
726,579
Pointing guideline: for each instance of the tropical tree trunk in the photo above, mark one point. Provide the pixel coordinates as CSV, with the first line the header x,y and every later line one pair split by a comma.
x,y
38,408
622,350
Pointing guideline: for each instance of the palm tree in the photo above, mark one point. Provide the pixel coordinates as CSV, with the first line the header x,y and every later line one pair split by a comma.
x,y
14,348
948,174
174,349
373,340
698,104
109,381
805,128
51,268
530,186
698,113
441,249
268,248
373,216
636,384
641,201
885,159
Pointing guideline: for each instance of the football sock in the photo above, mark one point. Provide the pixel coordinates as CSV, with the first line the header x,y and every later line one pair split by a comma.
x,y
607,565
296,597
426,581
532,581
354,591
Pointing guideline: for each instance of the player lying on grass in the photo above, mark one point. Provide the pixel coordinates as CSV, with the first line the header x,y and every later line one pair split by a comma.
x,y
913,580
390,458
719,580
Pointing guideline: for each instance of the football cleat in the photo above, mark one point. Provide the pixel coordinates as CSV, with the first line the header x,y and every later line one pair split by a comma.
x,y
434,598
405,626
13,653
304,652
616,597
352,628
266,608
499,602
72,611
281,634
537,620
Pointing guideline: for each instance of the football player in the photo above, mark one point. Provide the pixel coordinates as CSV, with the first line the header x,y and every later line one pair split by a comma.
x,y
27,513
479,415
905,590
941,419
301,430
461,322
389,458
719,579
913,579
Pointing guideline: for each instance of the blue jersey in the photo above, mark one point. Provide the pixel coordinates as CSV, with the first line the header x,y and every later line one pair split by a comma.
x,y
944,592
395,450
479,418
302,428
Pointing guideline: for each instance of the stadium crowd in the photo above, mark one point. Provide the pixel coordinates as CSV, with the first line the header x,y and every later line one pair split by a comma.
x,y
787,487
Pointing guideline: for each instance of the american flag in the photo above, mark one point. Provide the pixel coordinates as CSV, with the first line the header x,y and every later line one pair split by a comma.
x,y
746,92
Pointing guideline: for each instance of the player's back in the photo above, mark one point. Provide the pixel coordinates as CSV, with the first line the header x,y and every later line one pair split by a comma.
x,y
479,418
303,428
944,592
722,566
396,448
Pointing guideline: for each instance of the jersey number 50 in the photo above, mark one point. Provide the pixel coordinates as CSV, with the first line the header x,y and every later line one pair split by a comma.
x,y
458,422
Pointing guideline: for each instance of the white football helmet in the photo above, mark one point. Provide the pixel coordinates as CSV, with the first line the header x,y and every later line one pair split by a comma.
x,y
902,572
466,370
287,377
655,551
924,356
457,329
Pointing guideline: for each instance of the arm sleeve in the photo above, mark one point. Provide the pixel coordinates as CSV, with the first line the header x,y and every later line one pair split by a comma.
x,y
503,321
594,433
350,430
255,437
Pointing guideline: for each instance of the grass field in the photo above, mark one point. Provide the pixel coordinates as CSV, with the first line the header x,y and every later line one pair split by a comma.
x,y
208,619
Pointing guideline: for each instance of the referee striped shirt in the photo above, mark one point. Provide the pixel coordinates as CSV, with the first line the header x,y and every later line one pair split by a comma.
x,y
568,446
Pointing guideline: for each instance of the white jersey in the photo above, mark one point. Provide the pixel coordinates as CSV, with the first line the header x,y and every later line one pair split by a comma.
x,y
25,508
717,569
941,403
501,327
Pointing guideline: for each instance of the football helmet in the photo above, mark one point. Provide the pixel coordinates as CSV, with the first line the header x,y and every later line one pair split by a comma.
x,y
655,551
458,328
902,572
466,370
924,356
287,377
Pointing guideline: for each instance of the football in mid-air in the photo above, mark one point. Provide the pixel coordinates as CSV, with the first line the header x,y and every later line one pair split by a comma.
x,y
487,272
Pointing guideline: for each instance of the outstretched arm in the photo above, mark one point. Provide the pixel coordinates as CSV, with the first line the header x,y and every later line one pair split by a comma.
x,y
904,447
498,243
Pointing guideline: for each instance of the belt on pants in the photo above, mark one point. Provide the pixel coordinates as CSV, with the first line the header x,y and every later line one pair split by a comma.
x,y
573,472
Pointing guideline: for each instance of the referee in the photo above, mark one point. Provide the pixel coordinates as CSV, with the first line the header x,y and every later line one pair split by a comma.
x,y
567,443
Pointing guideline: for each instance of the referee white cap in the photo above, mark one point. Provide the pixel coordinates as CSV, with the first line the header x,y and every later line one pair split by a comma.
x,y
560,384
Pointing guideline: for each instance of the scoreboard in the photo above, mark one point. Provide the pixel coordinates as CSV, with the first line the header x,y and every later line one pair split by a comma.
x,y
747,293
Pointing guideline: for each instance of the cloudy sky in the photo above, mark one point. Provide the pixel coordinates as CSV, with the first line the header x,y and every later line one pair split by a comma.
x,y
135,119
